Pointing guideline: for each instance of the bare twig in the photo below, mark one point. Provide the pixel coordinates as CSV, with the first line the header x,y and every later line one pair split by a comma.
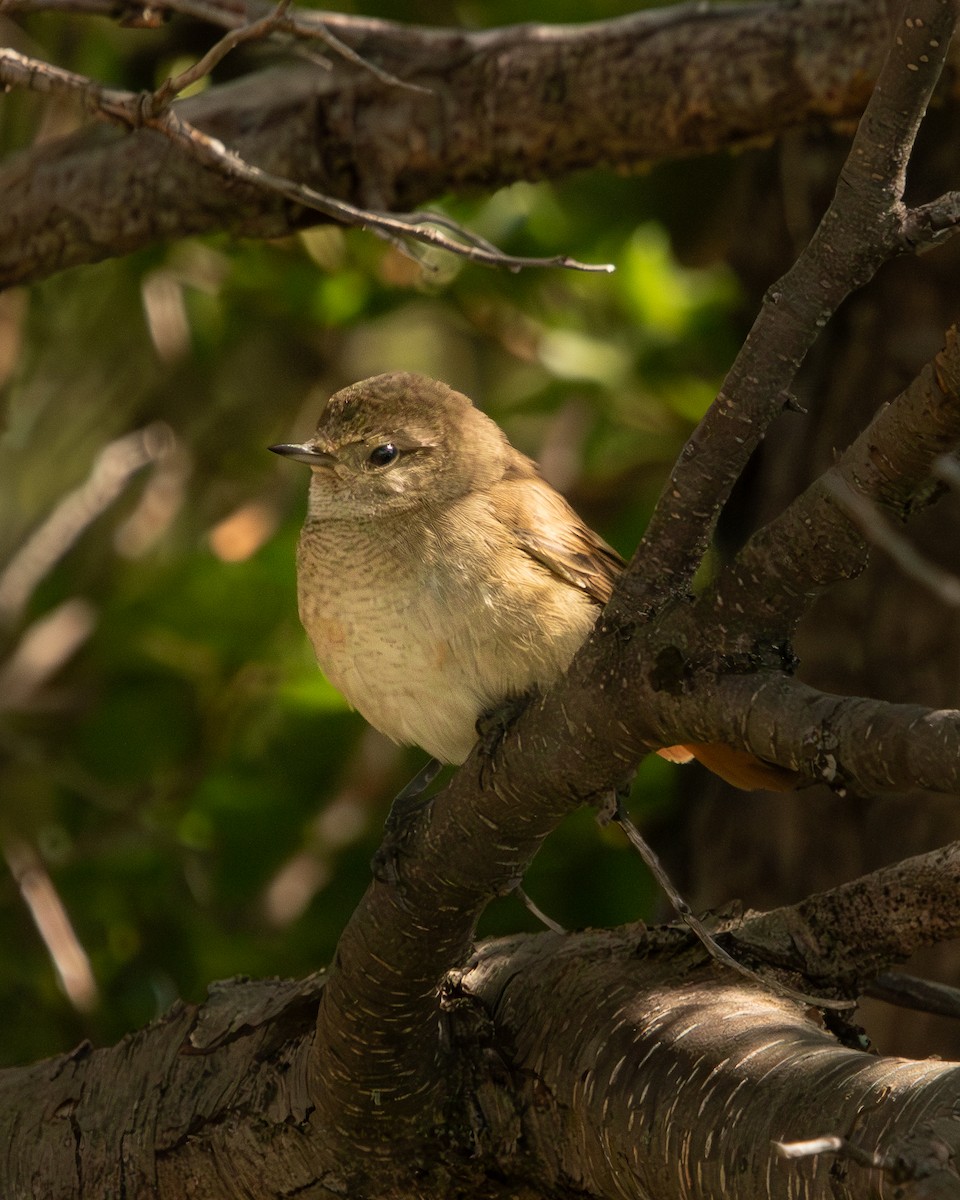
x,y
833,1145
151,110
43,648
703,935
111,472
925,1159
310,25
306,25
536,911
203,66
279,118
878,530
53,923
921,995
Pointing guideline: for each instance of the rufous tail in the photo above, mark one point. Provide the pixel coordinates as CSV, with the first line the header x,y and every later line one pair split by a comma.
x,y
739,767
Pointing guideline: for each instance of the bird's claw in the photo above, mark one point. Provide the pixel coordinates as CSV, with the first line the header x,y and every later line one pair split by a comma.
x,y
491,729
408,803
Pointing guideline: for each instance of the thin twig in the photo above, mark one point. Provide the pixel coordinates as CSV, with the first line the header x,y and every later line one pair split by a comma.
x,y
922,1159
305,25
920,995
536,911
174,85
43,648
878,530
53,923
150,110
116,463
311,25
832,1145
708,941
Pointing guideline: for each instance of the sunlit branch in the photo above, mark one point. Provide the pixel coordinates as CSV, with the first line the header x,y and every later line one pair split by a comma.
x,y
151,110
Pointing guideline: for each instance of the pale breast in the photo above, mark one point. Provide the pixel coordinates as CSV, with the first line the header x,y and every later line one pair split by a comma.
x,y
425,631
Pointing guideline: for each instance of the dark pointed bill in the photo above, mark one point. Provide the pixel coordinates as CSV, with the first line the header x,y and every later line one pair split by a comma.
x,y
305,453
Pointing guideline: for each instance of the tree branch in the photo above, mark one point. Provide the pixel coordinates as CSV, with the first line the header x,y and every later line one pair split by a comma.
x,y
516,103
866,224
853,744
546,765
558,1051
845,937
151,110
115,465
880,533
761,595
667,1052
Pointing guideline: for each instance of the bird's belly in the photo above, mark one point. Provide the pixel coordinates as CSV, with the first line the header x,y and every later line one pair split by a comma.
x,y
422,660
406,675
424,671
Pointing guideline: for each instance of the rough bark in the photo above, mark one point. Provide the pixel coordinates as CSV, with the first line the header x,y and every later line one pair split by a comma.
x,y
519,103
611,1063
880,633
615,1063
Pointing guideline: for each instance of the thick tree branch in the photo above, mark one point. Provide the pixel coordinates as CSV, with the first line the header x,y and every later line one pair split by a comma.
x,y
853,744
813,544
518,103
559,1051
387,960
151,110
666,1052
866,224
848,935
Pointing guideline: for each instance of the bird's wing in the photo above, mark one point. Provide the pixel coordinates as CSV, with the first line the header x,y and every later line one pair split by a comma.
x,y
547,528
550,532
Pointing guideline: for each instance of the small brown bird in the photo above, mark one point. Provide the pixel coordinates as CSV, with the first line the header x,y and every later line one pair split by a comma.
x,y
439,574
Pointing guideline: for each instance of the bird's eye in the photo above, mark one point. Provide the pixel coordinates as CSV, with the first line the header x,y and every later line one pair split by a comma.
x,y
383,456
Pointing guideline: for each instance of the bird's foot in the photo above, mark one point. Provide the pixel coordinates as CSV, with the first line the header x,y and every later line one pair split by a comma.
x,y
492,727
407,803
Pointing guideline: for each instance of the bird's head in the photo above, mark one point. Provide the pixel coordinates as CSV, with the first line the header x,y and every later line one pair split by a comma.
x,y
397,442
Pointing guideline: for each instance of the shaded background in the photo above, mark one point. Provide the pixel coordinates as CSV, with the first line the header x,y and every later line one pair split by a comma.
x,y
182,795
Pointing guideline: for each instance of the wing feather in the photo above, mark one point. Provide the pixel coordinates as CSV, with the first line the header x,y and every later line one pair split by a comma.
x,y
550,532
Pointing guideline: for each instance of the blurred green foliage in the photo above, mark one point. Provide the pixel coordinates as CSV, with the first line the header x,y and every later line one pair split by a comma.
x,y
194,792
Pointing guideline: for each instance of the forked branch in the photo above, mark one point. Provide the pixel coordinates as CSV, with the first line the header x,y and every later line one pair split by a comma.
x,y
866,224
